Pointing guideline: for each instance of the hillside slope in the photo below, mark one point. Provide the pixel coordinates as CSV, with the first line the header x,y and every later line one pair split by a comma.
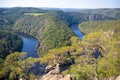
x,y
58,44
92,26
50,33
8,16
113,13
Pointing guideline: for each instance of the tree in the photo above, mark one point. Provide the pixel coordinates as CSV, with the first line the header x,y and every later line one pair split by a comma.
x,y
15,65
105,65
104,44
58,55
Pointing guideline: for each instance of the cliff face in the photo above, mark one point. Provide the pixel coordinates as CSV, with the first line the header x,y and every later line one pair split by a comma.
x,y
78,17
94,17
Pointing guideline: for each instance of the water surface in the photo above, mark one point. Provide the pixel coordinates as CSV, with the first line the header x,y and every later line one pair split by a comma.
x,y
75,29
29,46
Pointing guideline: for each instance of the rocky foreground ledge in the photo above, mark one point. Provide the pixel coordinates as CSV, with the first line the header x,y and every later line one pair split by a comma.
x,y
55,74
55,77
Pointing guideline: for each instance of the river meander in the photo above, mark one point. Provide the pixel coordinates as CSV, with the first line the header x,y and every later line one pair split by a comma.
x,y
29,46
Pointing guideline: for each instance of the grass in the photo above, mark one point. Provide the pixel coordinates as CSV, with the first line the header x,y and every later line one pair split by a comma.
x,y
34,14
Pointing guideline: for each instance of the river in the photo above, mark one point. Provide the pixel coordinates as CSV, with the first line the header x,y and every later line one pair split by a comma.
x,y
29,43
75,29
29,46
79,34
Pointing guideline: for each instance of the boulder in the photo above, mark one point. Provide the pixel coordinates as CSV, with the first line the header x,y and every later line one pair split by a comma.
x,y
56,77
118,78
67,77
51,77
54,74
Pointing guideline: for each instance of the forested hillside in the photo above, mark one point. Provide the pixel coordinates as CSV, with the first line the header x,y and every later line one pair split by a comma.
x,y
113,13
50,33
52,27
76,17
8,16
95,56
9,42
92,26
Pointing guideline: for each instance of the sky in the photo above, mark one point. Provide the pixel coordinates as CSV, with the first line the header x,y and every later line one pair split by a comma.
x,y
61,3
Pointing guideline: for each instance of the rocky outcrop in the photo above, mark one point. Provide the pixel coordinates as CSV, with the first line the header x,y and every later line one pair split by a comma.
x,y
55,75
51,77
118,78
67,77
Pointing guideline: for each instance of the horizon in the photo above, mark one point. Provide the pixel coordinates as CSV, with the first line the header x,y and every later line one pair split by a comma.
x,y
57,8
71,4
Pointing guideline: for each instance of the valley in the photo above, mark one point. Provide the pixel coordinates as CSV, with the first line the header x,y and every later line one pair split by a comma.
x,y
62,37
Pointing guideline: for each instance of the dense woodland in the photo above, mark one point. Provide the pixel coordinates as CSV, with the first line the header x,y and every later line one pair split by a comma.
x,y
58,44
9,43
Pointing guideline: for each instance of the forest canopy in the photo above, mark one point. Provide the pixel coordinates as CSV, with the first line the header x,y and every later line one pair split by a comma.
x,y
95,56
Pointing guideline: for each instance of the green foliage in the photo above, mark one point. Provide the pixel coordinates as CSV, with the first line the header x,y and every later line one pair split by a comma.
x,y
78,72
8,16
114,13
58,55
16,66
76,17
9,43
107,65
93,26
34,14
28,25
51,28
50,33
56,34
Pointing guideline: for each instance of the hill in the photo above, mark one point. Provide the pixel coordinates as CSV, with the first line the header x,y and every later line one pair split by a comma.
x,y
50,32
52,27
9,42
93,26
113,13
59,45
8,16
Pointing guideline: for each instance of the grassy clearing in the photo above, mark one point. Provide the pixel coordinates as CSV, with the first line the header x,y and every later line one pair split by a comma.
x,y
34,14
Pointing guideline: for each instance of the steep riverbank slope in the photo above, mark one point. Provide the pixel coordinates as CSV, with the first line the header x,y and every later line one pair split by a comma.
x,y
59,45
